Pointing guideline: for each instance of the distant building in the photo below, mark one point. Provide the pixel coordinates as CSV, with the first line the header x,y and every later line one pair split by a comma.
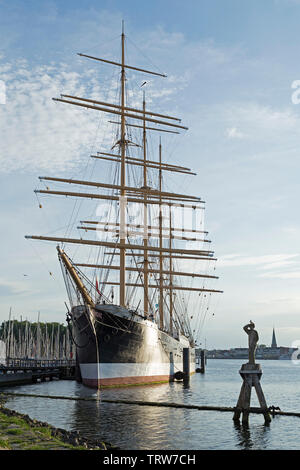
x,y
262,352
274,342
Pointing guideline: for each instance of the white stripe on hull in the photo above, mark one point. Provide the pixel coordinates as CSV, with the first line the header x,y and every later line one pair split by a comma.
x,y
119,372
128,370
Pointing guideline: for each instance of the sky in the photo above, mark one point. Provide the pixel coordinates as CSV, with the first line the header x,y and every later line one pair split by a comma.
x,y
231,69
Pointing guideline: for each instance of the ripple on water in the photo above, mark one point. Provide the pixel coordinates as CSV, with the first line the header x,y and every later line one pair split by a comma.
x,y
151,428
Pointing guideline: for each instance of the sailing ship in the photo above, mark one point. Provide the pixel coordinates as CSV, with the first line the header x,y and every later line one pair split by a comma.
x,y
139,339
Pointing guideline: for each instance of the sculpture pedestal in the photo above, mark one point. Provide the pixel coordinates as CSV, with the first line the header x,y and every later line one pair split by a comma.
x,y
251,375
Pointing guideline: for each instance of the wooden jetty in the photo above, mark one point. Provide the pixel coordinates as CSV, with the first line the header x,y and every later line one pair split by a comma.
x,y
19,371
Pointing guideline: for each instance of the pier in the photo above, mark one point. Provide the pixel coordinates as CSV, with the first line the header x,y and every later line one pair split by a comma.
x,y
26,371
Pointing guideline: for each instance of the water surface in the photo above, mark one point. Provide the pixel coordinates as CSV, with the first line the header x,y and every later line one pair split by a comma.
x,y
151,428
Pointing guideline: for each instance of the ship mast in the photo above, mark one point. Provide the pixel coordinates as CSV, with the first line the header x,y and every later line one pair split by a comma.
x,y
171,270
146,263
124,193
123,181
161,290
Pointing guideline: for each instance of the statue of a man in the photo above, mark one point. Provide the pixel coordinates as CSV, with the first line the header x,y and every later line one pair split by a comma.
x,y
252,339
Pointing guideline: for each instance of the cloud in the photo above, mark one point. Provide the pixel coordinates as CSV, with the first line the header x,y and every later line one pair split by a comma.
x,y
13,287
37,133
281,275
292,231
53,135
264,261
234,133
261,122
274,265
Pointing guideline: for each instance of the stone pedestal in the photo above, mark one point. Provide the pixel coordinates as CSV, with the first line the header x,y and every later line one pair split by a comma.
x,y
251,375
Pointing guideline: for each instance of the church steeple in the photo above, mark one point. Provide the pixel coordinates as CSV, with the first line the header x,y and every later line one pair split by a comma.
x,y
274,342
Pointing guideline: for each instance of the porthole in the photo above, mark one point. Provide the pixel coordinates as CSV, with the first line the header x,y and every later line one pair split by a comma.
x,y
106,338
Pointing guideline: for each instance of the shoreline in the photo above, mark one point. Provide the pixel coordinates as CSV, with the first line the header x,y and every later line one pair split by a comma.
x,y
20,432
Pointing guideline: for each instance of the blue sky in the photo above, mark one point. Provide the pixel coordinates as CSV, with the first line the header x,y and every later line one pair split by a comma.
x,y
230,67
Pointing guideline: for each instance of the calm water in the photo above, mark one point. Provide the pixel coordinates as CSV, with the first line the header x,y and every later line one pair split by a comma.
x,y
150,428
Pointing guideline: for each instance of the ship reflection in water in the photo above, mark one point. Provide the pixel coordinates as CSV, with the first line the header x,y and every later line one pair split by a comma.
x,y
130,426
153,428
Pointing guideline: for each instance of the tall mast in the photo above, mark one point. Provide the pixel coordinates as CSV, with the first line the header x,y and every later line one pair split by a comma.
x,y
171,269
123,193
146,264
123,177
161,298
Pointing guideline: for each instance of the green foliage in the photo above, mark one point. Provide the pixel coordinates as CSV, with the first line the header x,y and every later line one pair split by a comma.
x,y
19,327
4,444
16,433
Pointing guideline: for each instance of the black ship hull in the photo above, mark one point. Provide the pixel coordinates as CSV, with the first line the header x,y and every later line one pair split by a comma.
x,y
115,346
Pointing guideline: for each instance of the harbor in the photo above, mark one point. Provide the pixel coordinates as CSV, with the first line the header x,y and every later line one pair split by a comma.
x,y
148,168
135,427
